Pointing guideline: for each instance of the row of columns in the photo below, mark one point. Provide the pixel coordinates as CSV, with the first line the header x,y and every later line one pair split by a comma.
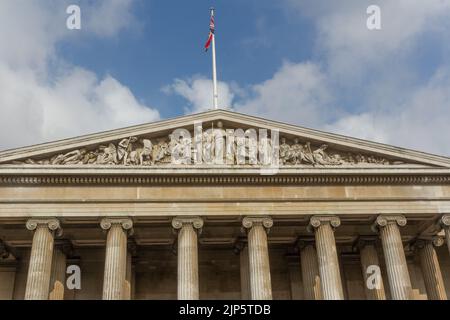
x,y
319,260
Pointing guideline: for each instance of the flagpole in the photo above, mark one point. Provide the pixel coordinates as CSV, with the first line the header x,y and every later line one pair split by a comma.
x,y
215,94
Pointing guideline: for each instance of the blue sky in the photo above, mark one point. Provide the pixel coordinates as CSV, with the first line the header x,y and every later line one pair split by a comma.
x,y
168,40
311,63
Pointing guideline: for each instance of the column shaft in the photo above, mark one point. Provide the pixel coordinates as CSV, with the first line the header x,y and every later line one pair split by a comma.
x,y
330,275
431,270
310,273
369,260
244,270
188,286
394,254
295,279
115,263
128,277
58,275
258,253
445,224
40,266
447,238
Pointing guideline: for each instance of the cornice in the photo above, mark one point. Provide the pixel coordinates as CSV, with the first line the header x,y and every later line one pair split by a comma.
x,y
244,179
314,136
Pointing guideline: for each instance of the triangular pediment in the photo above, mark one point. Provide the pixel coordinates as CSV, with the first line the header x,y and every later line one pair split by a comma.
x,y
148,145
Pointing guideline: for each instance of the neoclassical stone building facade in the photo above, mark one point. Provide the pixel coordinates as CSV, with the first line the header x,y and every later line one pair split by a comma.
x,y
157,211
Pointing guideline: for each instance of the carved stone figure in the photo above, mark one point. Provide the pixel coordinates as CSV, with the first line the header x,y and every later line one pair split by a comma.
x,y
142,155
124,148
185,150
31,161
265,151
350,159
180,149
108,155
337,159
320,156
307,155
360,158
90,157
173,143
285,151
208,147
161,153
251,147
74,157
296,152
240,149
58,159
219,143
233,146
231,150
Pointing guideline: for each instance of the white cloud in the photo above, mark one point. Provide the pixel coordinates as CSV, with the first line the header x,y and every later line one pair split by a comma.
x,y
78,103
106,18
42,96
366,84
296,93
350,48
380,70
421,122
198,92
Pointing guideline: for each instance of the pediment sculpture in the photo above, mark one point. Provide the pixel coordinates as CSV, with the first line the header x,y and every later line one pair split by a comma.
x,y
218,146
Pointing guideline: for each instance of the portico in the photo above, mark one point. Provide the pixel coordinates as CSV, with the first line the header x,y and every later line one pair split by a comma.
x,y
310,230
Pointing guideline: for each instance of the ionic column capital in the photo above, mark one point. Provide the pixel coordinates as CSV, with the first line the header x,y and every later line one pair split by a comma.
x,y
305,242
239,245
65,246
317,221
4,250
125,223
251,221
196,222
436,241
445,221
366,241
384,220
51,223
132,247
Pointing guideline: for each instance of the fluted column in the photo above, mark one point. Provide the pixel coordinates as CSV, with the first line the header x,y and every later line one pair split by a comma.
x,y
39,270
370,267
116,257
431,270
330,275
258,253
59,265
445,224
130,274
310,271
245,274
394,255
188,286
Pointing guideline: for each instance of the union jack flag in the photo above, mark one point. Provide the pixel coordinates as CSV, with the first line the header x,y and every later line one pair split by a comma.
x,y
211,33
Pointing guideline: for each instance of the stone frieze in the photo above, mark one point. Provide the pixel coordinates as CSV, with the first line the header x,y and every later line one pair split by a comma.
x,y
216,146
